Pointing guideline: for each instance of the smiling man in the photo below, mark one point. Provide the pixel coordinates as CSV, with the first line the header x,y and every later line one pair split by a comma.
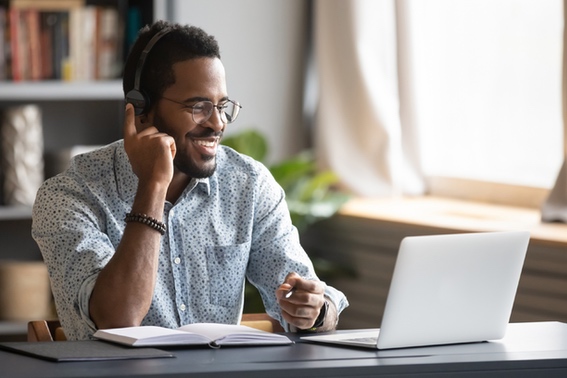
x,y
164,227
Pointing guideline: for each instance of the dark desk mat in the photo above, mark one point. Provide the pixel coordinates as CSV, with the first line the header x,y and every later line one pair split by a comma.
x,y
81,350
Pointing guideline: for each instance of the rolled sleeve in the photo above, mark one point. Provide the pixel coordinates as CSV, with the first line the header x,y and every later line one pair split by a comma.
x,y
83,300
337,297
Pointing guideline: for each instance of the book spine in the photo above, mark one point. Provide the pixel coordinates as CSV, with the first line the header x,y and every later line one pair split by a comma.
x,y
47,21
75,44
24,43
3,44
88,56
58,48
65,41
108,44
14,25
34,50
82,26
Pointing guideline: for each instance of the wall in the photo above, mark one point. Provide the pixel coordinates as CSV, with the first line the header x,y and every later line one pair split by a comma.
x,y
262,47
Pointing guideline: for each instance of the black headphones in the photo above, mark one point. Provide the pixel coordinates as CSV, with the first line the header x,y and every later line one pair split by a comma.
x,y
135,96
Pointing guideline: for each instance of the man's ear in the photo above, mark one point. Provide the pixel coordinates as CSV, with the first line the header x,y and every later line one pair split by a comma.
x,y
141,122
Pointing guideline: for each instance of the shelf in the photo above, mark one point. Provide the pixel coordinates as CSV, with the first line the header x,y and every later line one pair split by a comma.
x,y
15,213
452,215
57,90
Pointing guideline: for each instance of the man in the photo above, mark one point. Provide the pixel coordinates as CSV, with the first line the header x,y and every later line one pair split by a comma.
x,y
163,227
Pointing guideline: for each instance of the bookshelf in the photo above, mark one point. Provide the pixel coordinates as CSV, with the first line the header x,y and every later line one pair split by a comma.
x,y
61,91
74,112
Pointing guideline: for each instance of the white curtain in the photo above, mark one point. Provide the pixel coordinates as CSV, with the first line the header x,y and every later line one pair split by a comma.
x,y
554,208
363,127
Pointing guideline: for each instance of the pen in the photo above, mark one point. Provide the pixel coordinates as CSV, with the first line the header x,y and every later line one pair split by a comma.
x,y
289,293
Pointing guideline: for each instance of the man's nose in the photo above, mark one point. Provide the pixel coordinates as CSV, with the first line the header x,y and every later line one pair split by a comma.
x,y
215,121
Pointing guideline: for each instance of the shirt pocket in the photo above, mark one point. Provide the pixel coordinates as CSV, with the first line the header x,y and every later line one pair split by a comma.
x,y
227,272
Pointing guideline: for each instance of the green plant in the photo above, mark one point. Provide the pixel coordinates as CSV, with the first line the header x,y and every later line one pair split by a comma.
x,y
311,196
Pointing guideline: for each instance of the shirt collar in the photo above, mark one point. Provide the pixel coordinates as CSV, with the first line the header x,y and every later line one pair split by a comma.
x,y
204,184
128,181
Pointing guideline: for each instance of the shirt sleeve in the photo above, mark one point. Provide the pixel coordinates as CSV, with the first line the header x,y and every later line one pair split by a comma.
x,y
276,250
74,247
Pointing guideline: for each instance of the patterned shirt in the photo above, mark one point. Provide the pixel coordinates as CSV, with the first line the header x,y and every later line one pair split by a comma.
x,y
223,229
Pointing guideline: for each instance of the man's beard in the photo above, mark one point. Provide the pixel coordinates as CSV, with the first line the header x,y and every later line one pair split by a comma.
x,y
183,162
191,169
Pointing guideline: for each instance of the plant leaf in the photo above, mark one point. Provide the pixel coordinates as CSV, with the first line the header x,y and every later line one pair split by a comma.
x,y
248,142
318,186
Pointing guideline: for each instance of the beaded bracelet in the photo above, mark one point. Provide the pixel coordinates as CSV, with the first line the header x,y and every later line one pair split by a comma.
x,y
143,218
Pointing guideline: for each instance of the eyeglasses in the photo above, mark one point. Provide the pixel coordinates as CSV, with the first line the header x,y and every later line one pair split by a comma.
x,y
202,110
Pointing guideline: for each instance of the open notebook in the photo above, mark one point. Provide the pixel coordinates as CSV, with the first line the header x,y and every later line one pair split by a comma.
x,y
446,289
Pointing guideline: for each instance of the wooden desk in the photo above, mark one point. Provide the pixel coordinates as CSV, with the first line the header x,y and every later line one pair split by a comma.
x,y
529,349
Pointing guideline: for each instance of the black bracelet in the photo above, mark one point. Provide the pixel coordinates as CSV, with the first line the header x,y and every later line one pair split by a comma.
x,y
320,321
143,218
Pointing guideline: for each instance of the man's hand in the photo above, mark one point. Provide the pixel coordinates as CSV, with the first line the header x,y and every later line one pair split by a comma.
x,y
302,307
150,152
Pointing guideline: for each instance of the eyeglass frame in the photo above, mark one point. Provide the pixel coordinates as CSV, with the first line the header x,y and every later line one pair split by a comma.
x,y
218,107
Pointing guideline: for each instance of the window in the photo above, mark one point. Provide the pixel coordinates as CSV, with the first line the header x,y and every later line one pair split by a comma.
x,y
488,89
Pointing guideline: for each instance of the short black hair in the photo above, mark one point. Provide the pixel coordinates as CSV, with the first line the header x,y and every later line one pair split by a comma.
x,y
181,43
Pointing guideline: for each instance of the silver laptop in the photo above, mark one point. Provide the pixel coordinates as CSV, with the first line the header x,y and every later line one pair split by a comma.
x,y
446,289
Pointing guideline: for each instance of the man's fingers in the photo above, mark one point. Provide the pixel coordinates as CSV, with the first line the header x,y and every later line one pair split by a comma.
x,y
291,278
301,284
129,122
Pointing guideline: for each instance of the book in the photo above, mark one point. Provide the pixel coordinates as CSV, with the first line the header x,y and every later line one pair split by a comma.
x,y
108,43
60,43
15,30
34,45
3,44
82,48
47,22
211,334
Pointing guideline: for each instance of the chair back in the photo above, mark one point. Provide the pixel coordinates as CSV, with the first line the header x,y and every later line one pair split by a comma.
x,y
45,330
261,321
51,330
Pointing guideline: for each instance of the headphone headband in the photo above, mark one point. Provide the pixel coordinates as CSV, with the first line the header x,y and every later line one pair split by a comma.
x,y
136,97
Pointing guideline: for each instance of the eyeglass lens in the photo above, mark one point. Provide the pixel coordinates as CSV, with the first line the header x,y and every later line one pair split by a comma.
x,y
203,110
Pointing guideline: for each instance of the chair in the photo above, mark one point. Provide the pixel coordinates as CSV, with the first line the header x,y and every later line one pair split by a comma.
x,y
51,330
261,321
45,330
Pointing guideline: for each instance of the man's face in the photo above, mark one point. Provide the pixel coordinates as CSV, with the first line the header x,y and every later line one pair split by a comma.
x,y
201,79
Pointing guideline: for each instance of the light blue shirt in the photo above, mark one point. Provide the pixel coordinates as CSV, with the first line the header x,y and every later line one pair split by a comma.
x,y
232,225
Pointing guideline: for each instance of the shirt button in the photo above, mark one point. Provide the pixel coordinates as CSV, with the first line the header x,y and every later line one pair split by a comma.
x,y
182,307
177,260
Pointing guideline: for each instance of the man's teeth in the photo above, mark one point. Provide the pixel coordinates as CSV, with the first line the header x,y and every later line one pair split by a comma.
x,y
205,143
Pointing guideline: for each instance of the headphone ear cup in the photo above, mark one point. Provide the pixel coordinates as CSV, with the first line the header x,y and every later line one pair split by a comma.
x,y
139,100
